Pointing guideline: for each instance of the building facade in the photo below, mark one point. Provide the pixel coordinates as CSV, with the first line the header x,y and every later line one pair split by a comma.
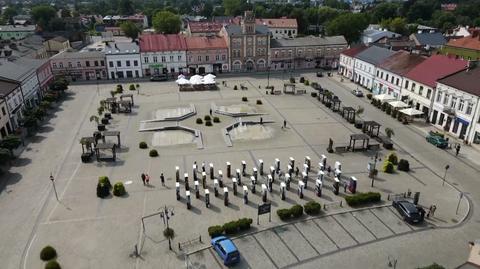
x,y
467,48
11,92
79,65
56,45
347,61
203,28
45,76
206,55
280,28
16,32
123,60
366,64
163,54
306,52
248,44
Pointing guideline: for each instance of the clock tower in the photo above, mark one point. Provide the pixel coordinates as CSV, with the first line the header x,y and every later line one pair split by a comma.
x,y
248,23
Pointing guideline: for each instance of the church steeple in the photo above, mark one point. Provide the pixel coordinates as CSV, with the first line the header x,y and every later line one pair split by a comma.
x,y
248,23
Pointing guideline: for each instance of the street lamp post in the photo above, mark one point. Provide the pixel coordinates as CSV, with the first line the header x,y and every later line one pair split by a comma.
x,y
268,77
445,175
54,188
165,214
373,168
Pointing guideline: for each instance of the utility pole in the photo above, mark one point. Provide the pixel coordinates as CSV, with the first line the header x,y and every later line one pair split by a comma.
x,y
373,168
165,214
445,175
54,188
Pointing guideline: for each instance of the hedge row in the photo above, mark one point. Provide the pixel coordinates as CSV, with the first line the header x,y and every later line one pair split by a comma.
x,y
363,198
230,228
295,211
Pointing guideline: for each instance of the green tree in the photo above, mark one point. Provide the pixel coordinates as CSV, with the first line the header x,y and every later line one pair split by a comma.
x,y
10,142
397,25
443,20
349,25
130,29
166,22
336,4
60,84
207,9
43,14
420,11
65,13
56,24
233,7
125,7
9,13
299,14
384,11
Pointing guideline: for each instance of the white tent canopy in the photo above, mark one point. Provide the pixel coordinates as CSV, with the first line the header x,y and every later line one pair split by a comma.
x,y
398,104
411,112
182,81
196,80
209,76
384,97
208,80
180,76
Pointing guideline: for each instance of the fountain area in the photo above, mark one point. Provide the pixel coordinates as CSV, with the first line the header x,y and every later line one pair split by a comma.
x,y
236,110
247,130
172,114
172,137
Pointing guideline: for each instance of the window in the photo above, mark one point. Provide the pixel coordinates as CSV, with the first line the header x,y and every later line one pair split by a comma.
x,y
398,82
224,57
453,104
96,63
199,58
429,93
155,59
469,108
461,104
406,84
179,58
87,63
413,87
70,64
3,111
135,63
102,63
54,65
386,78
391,79
145,59
110,64
172,70
420,91
119,63
217,57
171,58
61,65
163,59
127,62
446,97
207,58
439,97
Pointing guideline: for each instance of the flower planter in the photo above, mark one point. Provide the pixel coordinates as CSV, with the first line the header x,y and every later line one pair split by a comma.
x,y
101,127
104,121
108,116
86,157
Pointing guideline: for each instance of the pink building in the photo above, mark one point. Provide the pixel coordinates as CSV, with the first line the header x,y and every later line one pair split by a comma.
x,y
206,55
81,65
45,76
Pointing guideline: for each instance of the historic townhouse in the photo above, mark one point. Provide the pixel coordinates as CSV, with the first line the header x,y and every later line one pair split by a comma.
x,y
80,65
206,55
163,54
123,60
366,64
11,108
280,28
347,61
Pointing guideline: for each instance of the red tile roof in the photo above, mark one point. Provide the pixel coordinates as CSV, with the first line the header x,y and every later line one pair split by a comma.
x,y
278,23
204,43
401,62
351,52
467,81
160,42
434,68
204,27
470,42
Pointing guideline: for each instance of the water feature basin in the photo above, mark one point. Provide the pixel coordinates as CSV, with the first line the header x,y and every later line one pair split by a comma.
x,y
172,137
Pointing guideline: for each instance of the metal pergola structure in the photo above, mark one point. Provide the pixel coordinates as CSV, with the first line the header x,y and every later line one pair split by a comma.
x,y
336,104
106,146
365,141
372,128
348,113
112,134
127,95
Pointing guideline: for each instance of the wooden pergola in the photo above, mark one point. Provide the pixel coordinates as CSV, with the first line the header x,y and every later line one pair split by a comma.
x,y
112,134
124,106
336,103
289,88
127,95
365,141
88,143
111,103
348,113
372,128
106,146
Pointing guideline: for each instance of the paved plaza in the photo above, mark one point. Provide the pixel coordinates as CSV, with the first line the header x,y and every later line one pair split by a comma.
x,y
89,232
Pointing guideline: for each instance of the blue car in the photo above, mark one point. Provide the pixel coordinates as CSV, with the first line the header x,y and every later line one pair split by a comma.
x,y
226,249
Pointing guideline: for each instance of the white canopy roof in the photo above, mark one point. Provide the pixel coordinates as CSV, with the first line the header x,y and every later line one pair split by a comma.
x,y
384,97
180,76
196,79
397,104
411,112
209,76
208,80
182,81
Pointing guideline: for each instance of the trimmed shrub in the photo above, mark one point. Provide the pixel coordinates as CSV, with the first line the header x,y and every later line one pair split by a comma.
x,y
363,198
292,80
388,167
199,121
244,99
52,265
392,157
302,80
394,113
48,253
105,180
119,189
215,231
388,110
384,106
313,94
119,89
284,214
259,102
312,208
230,227
153,153
307,83
403,165
143,145
208,123
216,119
244,223
169,233
297,211
132,87
102,190
235,87
207,117
369,96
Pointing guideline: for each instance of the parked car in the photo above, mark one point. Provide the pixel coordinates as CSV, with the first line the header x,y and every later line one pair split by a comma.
x,y
437,141
159,77
408,211
319,74
226,249
357,93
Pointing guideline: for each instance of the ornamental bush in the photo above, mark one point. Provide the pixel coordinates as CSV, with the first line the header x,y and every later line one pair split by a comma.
x,y
292,80
369,96
388,167
216,119
52,265
208,123
363,198
230,227
215,231
392,157
297,211
132,87
388,110
199,121
403,165
302,80
235,87
143,145
102,190
169,233
259,102
48,253
207,117
119,189
312,208
244,99
284,214
153,153
313,94
307,83
244,223
105,180
119,89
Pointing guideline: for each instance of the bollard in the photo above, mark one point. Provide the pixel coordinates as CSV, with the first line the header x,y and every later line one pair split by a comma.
x,y
197,190
301,185
215,187
287,181
291,162
277,165
416,197
187,195
324,161
177,190
229,170
272,172
204,180
318,188
245,195
194,172
338,165
283,186
234,180
336,185
244,168
352,186
264,193
207,198
270,183
237,172
225,196
260,164
187,186
254,183
177,174
338,173
305,179
220,178
212,174
255,173
320,175
308,161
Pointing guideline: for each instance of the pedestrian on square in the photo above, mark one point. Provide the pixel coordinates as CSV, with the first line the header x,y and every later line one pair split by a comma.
x,y
147,179
203,166
143,178
429,211
162,179
284,124
434,208
457,149
329,169
297,171
261,120
210,112
345,185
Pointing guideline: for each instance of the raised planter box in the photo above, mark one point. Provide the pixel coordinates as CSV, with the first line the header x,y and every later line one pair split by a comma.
x,y
105,121
86,157
101,127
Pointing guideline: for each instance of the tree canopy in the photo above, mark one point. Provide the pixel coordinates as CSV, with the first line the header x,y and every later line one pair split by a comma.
x,y
234,7
43,14
349,25
130,29
166,22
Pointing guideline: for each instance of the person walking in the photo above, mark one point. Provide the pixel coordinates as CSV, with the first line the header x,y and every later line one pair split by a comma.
x,y
203,166
162,179
429,211
432,212
457,149
210,112
147,179
297,171
261,120
285,124
143,178
329,169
